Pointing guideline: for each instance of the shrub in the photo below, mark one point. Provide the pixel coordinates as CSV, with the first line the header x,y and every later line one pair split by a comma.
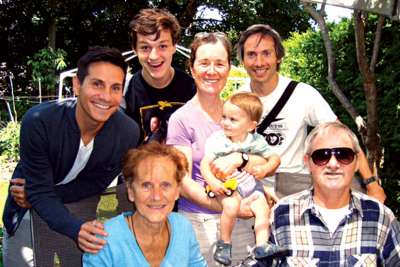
x,y
9,143
44,64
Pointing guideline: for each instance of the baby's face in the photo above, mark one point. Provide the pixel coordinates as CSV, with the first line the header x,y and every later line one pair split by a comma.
x,y
236,122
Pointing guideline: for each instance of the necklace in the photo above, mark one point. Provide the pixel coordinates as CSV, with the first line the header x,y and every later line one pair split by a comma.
x,y
142,246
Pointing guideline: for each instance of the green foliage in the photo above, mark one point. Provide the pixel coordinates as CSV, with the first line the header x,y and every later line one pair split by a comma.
x,y
44,65
9,143
237,77
306,61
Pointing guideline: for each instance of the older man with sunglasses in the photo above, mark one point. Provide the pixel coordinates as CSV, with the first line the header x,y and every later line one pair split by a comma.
x,y
330,224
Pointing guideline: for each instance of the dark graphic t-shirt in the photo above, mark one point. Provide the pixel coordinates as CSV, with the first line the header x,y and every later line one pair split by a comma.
x,y
151,107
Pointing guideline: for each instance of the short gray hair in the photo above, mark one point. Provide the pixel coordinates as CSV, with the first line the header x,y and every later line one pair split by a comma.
x,y
324,128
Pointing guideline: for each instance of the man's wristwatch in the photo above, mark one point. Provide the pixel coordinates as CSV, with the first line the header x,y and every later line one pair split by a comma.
x,y
370,180
245,159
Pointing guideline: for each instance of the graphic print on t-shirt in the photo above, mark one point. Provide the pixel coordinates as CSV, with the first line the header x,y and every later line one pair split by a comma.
x,y
156,116
275,133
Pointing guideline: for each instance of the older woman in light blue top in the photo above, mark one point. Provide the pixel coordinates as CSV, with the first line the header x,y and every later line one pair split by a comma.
x,y
152,235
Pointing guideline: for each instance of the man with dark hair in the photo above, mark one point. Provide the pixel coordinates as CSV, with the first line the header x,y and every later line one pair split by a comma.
x,y
71,151
261,51
158,89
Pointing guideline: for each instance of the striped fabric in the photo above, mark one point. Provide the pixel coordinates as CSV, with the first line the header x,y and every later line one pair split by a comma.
x,y
368,236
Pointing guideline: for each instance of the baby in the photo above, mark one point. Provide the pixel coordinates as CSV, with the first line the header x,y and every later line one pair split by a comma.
x,y
241,114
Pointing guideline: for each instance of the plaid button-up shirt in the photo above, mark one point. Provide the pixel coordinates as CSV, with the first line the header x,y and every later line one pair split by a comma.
x,y
368,236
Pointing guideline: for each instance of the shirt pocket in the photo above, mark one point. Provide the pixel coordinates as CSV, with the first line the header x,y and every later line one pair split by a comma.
x,y
362,260
301,262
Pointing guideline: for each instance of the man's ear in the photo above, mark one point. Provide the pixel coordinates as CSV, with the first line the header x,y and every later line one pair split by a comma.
x,y
76,85
307,161
357,162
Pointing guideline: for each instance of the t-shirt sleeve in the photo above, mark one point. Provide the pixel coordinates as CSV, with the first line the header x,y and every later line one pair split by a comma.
x,y
318,109
178,133
102,258
262,148
129,99
212,146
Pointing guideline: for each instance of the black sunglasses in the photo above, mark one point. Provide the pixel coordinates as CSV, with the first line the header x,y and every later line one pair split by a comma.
x,y
322,156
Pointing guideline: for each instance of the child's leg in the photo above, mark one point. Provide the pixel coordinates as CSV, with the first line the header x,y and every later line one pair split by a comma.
x,y
263,247
230,210
261,211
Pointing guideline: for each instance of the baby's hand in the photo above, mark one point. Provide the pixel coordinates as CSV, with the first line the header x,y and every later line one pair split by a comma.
x,y
218,188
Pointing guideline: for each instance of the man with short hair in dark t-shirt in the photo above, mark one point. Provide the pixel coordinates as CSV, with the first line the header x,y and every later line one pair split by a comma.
x,y
158,89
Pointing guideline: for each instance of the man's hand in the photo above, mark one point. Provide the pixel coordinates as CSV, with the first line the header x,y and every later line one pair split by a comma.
x,y
376,191
224,166
270,196
17,191
87,239
259,171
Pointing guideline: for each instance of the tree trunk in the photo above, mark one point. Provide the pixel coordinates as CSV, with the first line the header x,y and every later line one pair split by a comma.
x,y
318,16
52,25
369,132
367,71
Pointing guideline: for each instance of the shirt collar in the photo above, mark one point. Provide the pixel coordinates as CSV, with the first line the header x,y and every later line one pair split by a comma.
x,y
308,203
248,140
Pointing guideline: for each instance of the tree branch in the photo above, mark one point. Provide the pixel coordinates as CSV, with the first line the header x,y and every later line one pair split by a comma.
x,y
375,51
369,84
359,33
318,17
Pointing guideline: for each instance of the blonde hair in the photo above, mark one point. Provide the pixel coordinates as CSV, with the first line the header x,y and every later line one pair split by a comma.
x,y
249,103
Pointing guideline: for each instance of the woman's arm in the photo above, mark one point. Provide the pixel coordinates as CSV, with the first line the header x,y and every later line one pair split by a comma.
x,y
192,190
267,169
226,165
216,184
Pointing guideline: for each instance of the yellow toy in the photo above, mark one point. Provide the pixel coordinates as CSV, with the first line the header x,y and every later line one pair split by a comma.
x,y
230,184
